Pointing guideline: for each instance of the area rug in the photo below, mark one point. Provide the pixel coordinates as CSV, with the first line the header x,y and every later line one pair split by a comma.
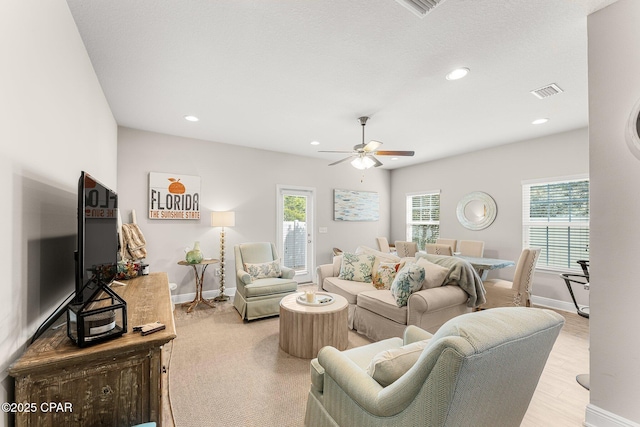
x,y
227,372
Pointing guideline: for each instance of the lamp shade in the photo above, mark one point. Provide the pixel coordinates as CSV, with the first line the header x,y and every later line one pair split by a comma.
x,y
362,162
223,219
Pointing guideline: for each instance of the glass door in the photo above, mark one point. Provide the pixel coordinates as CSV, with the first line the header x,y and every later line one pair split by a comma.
x,y
295,230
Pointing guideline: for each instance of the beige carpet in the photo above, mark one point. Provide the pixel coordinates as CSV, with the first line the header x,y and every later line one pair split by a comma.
x,y
226,372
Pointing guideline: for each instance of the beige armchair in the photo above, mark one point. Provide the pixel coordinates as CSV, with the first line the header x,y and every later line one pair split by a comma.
x,y
438,249
406,249
261,280
474,248
503,293
478,369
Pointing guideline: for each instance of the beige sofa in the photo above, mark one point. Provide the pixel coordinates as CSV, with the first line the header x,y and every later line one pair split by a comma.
x,y
375,314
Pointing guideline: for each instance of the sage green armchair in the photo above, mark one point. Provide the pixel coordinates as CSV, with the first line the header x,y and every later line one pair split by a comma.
x,y
261,280
479,369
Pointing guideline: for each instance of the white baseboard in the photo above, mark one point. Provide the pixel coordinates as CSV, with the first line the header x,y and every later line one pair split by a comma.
x,y
179,299
598,417
553,303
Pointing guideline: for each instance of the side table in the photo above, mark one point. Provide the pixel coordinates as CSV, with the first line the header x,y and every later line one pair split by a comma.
x,y
305,329
199,278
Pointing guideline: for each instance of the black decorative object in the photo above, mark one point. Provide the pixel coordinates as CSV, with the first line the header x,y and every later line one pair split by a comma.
x,y
101,315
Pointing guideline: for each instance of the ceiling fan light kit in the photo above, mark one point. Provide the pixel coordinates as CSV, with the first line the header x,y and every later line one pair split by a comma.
x,y
420,7
362,154
362,163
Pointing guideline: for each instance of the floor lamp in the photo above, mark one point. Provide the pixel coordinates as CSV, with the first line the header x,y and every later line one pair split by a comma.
x,y
222,219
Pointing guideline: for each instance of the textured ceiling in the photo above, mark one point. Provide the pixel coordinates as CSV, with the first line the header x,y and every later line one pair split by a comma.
x,y
278,74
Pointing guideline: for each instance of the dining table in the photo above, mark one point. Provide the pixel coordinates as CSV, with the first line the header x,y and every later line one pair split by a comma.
x,y
483,265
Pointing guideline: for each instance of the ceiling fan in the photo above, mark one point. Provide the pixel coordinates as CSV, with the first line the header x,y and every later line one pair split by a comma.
x,y
362,154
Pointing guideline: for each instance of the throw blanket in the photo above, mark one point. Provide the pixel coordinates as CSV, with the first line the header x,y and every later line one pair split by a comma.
x,y
462,274
134,242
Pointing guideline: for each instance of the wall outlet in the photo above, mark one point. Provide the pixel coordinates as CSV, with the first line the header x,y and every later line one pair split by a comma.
x,y
322,230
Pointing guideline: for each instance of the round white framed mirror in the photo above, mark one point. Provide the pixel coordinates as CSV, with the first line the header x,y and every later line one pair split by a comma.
x,y
477,210
632,131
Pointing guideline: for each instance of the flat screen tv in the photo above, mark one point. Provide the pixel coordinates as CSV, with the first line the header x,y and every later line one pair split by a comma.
x,y
97,250
97,313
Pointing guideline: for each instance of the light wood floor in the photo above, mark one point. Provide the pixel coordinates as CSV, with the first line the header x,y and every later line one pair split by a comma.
x,y
559,400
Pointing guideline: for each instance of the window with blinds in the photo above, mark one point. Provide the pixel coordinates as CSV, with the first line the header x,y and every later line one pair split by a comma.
x,y
555,218
423,217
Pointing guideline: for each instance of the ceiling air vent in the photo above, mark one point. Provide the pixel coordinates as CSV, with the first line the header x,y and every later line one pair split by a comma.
x,y
547,91
420,7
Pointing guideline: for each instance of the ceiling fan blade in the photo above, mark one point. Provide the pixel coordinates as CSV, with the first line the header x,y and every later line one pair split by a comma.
x,y
377,162
340,161
371,146
394,153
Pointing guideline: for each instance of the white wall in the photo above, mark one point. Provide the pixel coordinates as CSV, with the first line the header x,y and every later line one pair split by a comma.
x,y
614,87
243,180
54,122
499,172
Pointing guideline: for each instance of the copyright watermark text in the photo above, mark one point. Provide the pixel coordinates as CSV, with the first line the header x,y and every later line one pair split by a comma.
x,y
28,407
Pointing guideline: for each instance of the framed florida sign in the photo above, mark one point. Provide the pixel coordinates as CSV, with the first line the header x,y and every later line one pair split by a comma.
x,y
174,196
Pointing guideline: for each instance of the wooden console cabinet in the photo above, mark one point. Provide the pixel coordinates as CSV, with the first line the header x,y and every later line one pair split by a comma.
x,y
113,383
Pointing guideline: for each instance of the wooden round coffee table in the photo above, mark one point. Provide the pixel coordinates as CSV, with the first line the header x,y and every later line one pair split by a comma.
x,y
305,329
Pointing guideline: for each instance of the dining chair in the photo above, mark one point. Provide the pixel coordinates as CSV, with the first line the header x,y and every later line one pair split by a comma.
x,y
438,249
406,249
383,245
451,242
503,293
474,248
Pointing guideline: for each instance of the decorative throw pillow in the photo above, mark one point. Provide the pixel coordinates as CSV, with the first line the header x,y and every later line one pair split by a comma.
x,y
408,280
379,257
263,270
356,267
389,365
384,275
434,274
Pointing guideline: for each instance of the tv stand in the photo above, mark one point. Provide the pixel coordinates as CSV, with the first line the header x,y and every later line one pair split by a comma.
x,y
116,382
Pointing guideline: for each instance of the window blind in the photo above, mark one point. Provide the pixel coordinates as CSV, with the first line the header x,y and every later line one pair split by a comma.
x,y
555,218
423,217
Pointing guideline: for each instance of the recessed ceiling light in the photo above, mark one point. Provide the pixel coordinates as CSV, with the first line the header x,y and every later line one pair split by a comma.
x,y
315,143
539,121
458,73
394,158
191,118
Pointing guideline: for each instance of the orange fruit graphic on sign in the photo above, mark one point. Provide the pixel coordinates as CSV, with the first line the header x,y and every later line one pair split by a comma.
x,y
89,182
176,187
